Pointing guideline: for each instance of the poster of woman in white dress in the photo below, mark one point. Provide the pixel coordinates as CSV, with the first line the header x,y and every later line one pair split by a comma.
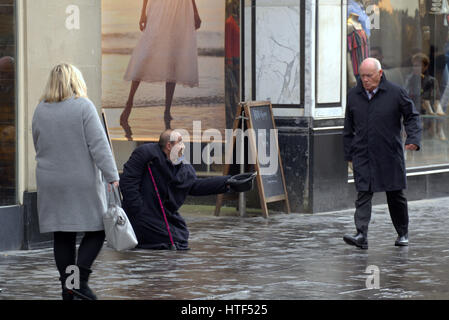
x,y
163,66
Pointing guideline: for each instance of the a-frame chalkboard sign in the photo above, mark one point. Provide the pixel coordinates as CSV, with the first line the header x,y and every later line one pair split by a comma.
x,y
259,120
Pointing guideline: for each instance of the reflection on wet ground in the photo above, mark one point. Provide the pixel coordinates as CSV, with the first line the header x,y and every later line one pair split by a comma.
x,y
284,257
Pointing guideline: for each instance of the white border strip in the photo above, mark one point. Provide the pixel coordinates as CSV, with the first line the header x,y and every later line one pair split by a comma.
x,y
328,128
419,173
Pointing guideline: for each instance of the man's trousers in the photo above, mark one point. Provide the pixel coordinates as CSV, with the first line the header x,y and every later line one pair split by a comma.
x,y
397,205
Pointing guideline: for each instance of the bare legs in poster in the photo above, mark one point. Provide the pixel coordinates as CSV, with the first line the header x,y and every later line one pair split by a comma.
x,y
169,93
127,111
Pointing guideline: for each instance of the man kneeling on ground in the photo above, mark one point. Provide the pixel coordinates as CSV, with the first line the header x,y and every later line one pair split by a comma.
x,y
156,176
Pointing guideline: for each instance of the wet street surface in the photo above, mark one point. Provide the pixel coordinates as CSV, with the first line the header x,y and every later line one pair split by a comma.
x,y
293,256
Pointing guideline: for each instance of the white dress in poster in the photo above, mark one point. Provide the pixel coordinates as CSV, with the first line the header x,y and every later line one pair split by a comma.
x,y
162,66
167,50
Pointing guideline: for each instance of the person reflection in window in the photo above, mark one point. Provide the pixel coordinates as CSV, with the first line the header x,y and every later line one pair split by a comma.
x,y
7,130
425,93
443,67
423,88
376,52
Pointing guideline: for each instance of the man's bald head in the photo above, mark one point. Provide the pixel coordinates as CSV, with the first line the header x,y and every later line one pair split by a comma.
x,y
371,63
167,136
171,140
370,72
164,138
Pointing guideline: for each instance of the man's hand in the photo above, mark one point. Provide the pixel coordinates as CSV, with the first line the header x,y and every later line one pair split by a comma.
x,y
412,147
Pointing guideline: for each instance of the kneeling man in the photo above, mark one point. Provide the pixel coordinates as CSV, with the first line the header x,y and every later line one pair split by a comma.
x,y
155,176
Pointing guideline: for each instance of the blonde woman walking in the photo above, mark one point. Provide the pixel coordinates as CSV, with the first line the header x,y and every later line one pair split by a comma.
x,y
71,150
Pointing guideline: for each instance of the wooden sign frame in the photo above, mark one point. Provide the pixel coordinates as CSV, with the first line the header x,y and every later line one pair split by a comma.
x,y
106,129
244,110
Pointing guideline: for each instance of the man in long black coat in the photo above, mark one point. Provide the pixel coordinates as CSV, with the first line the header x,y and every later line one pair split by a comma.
x,y
373,144
174,180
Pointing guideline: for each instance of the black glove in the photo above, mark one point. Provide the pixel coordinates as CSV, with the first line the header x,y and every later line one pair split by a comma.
x,y
241,182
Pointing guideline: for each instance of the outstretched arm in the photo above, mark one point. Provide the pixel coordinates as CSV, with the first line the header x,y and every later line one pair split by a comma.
x,y
209,186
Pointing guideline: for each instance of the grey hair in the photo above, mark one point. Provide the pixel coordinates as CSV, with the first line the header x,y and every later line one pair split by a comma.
x,y
376,63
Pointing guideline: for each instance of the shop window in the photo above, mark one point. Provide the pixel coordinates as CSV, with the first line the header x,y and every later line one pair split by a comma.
x,y
7,103
410,38
273,40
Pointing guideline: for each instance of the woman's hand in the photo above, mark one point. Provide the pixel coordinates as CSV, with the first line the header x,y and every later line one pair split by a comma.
x,y
196,16
197,21
143,22
114,183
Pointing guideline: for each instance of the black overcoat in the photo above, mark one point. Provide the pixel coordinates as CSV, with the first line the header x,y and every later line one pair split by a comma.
x,y
174,183
372,136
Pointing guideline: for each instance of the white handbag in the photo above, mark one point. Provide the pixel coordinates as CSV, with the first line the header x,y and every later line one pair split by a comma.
x,y
119,232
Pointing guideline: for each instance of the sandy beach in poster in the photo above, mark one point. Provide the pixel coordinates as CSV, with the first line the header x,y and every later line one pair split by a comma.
x,y
206,103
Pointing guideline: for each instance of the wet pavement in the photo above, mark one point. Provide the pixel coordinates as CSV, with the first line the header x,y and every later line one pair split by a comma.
x,y
288,257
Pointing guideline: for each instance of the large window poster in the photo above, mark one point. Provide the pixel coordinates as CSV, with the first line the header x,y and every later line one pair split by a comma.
x,y
164,66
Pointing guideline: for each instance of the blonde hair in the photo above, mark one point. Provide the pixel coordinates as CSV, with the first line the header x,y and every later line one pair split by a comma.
x,y
65,81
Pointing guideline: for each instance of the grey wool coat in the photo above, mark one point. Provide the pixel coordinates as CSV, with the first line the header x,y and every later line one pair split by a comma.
x,y
71,149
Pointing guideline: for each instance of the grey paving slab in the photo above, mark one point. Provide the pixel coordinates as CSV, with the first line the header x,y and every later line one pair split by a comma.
x,y
289,257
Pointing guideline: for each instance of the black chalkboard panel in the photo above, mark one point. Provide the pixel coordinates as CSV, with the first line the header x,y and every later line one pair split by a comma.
x,y
262,122
264,153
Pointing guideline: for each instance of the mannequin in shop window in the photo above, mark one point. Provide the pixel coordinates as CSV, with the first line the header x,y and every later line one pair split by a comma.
x,y
358,7
358,48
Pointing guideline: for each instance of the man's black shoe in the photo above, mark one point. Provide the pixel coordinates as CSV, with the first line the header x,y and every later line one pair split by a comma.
x,y
402,241
358,240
